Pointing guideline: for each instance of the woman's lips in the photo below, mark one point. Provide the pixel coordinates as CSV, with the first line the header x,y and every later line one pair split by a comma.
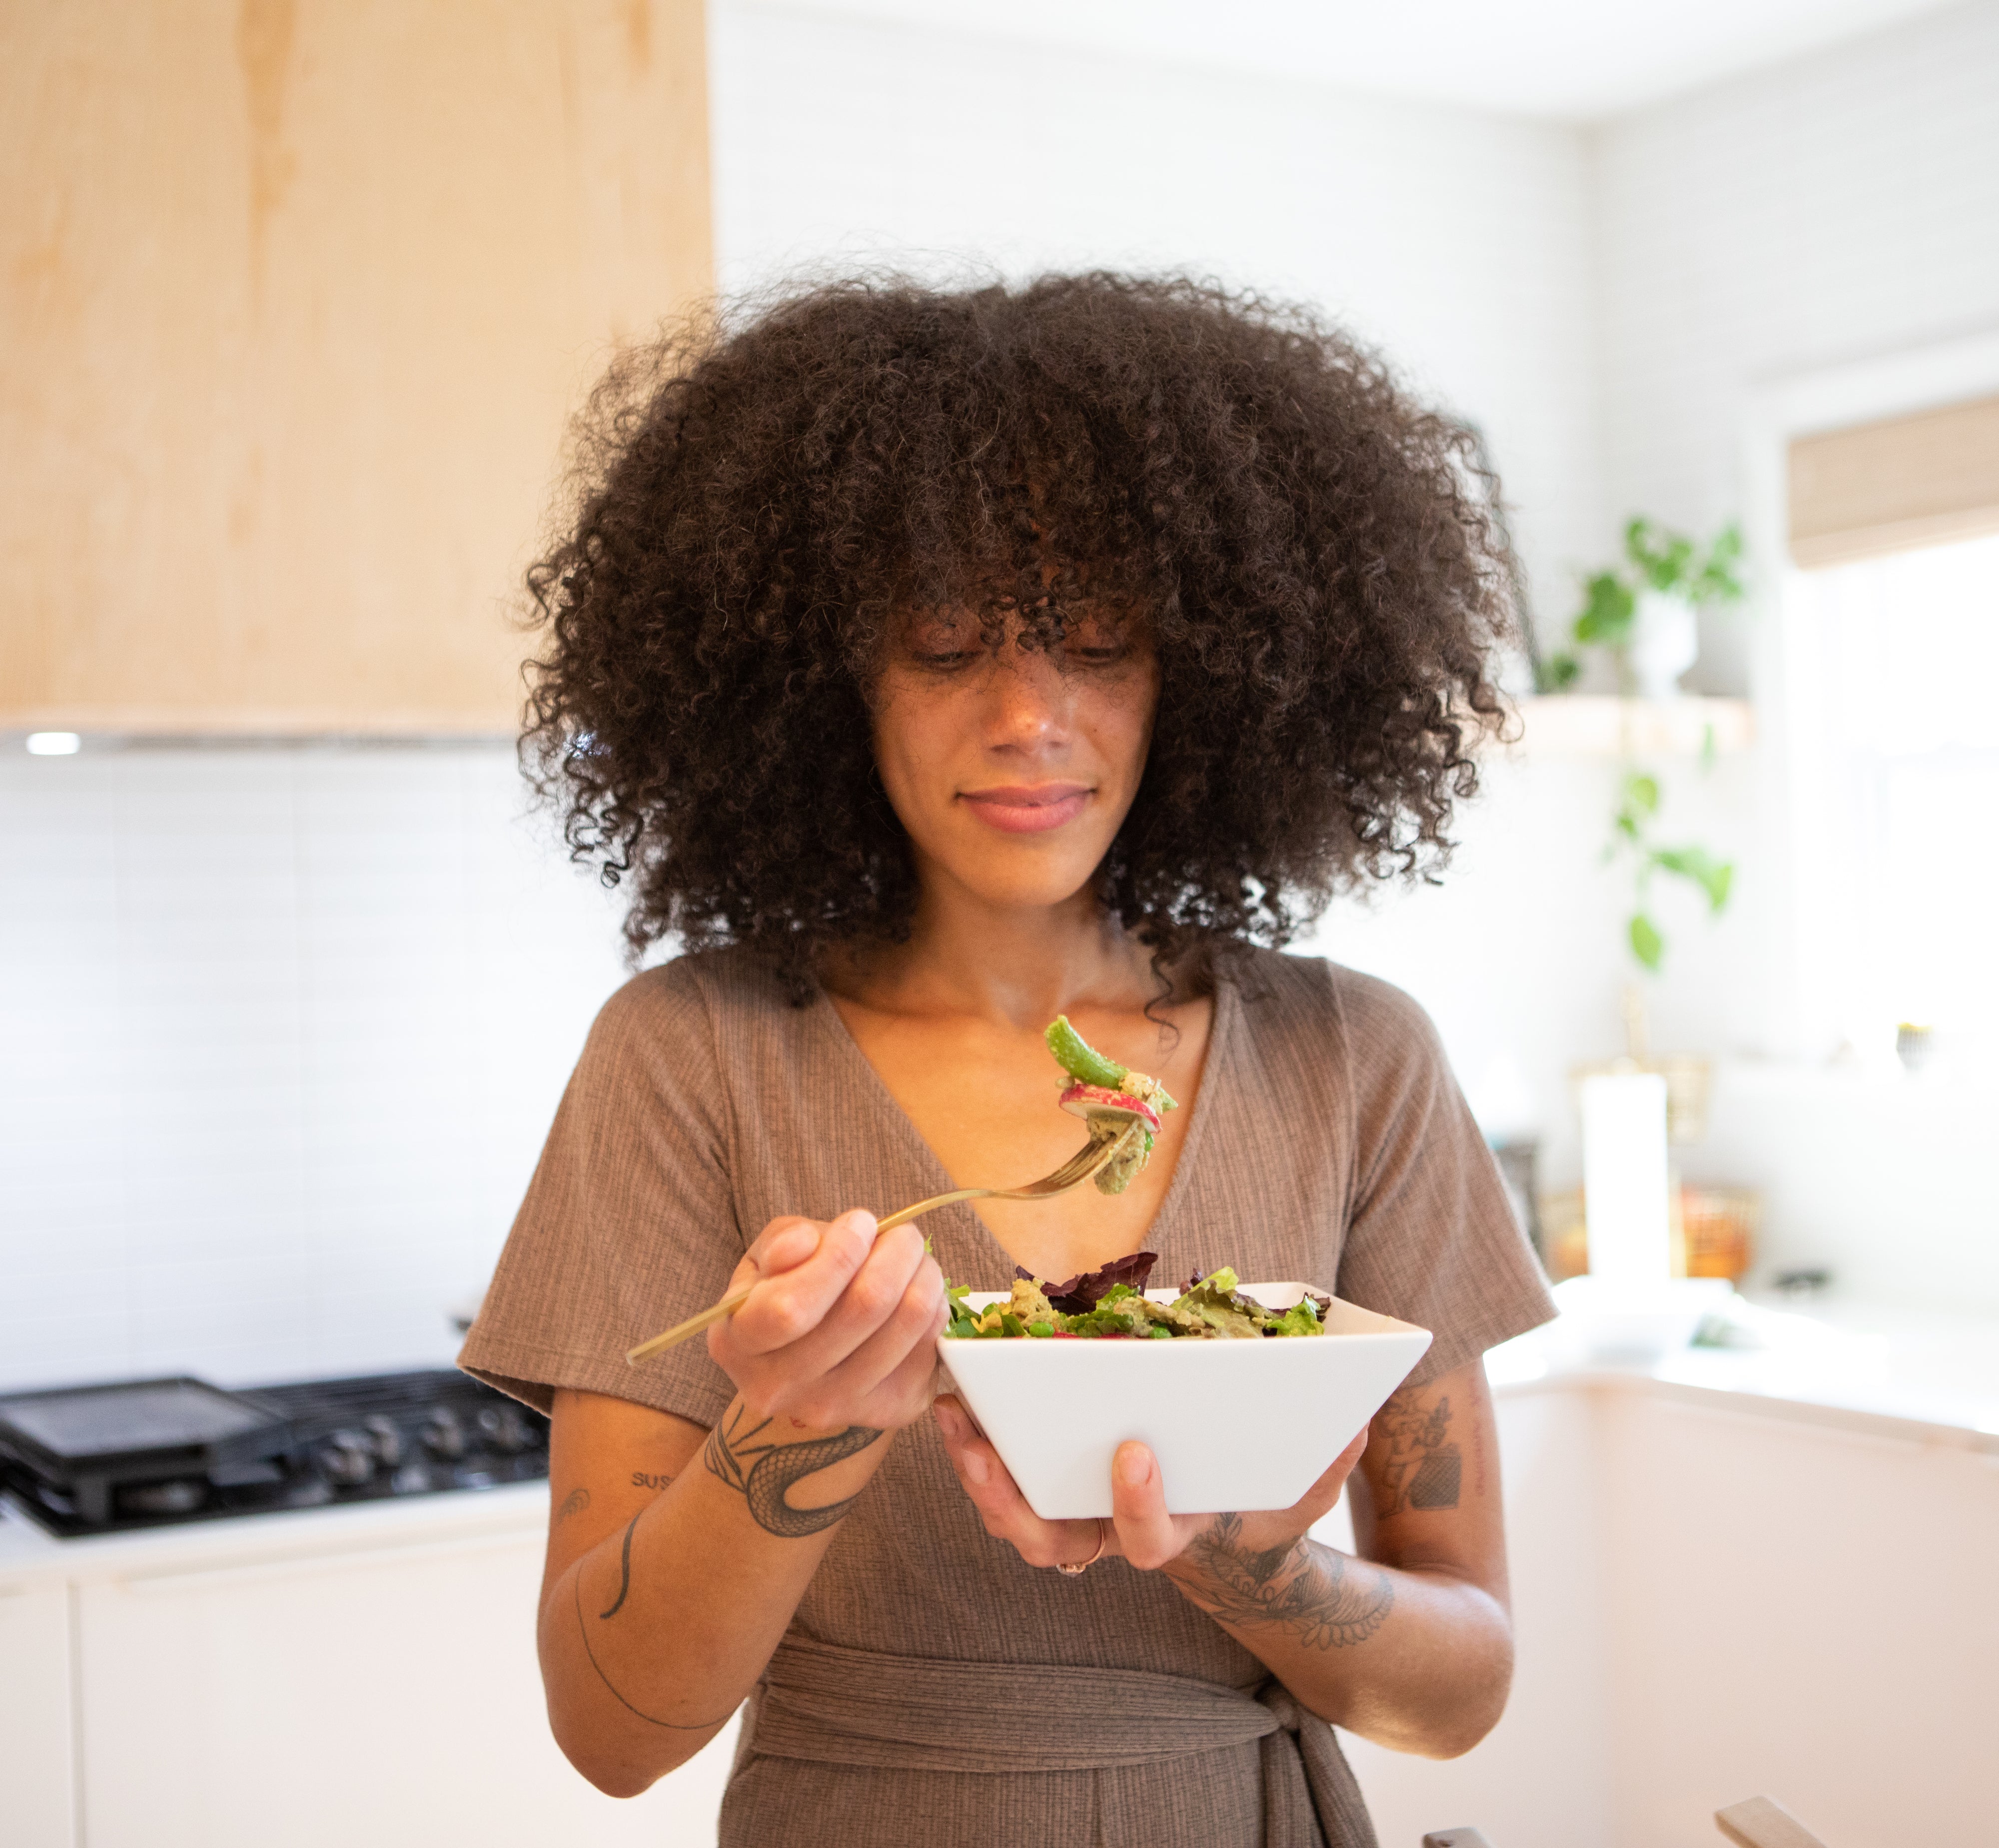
x,y
1018,809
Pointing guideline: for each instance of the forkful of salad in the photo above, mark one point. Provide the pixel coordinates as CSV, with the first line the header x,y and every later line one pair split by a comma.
x,y
1121,1107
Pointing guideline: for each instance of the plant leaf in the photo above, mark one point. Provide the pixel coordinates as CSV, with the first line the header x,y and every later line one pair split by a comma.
x,y
1608,609
1637,542
1641,793
1646,945
1717,581
1713,876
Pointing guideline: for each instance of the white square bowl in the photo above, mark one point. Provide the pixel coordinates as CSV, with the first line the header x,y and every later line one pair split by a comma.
x,y
1236,1425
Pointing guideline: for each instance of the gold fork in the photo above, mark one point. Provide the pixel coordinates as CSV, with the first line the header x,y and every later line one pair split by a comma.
x,y
1086,1162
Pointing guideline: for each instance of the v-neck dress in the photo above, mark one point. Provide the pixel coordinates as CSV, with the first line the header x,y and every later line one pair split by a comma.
x,y
933,1689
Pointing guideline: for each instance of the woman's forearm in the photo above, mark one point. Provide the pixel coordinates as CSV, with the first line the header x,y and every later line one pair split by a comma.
x,y
651,1640
1417,1659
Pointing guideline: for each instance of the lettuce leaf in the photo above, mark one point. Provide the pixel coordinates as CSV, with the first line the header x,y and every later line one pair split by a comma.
x,y
1301,1318
1083,1292
1218,1301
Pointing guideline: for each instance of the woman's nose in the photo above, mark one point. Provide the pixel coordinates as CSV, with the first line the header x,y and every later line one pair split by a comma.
x,y
1026,699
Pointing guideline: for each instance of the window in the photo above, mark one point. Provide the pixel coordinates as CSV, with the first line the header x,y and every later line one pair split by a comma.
x,y
1895,695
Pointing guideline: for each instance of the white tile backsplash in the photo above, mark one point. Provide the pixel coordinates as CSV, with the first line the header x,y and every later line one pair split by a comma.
x,y
281,1032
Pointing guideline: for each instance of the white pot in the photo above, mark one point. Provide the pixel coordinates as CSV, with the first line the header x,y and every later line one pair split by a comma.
x,y
1665,641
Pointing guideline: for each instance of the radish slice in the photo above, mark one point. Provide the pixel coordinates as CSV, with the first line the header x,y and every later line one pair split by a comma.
x,y
1095,1100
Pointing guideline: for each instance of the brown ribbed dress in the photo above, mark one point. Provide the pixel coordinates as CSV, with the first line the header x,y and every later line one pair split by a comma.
x,y
933,1689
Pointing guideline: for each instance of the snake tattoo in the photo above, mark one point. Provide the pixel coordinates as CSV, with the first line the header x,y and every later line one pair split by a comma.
x,y
765,1472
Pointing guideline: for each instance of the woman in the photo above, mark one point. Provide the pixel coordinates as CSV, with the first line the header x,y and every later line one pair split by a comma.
x,y
931,663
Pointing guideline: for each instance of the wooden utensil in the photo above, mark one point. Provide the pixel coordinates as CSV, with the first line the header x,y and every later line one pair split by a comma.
x,y
1757,1822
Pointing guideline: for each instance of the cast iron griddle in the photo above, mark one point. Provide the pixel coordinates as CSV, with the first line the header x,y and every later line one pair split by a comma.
x,y
89,1430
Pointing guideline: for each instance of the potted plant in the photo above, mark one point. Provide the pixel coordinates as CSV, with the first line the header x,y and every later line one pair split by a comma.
x,y
1645,612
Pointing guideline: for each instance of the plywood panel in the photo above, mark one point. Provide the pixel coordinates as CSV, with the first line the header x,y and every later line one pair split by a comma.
x,y
295,296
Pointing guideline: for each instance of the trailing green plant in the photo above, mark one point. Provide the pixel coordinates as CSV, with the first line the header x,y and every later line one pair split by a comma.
x,y
1632,839
1655,559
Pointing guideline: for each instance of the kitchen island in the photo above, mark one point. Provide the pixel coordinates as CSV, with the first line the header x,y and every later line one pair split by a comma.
x,y
1737,1570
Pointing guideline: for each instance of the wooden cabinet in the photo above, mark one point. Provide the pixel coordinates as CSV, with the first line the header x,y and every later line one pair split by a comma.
x,y
388,1695
296,299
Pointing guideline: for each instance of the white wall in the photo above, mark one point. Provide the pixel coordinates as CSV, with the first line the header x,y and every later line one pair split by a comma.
x,y
281,1032
1839,208
1458,240
1835,208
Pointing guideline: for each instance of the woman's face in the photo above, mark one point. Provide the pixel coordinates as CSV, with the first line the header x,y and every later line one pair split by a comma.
x,y
1012,767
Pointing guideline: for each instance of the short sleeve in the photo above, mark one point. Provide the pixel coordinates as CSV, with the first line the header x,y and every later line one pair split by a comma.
x,y
628,1225
1431,1237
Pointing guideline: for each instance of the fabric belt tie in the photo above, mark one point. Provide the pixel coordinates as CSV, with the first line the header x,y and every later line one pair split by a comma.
x,y
833,1705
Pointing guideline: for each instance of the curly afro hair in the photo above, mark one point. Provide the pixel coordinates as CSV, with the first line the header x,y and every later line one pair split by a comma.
x,y
760,502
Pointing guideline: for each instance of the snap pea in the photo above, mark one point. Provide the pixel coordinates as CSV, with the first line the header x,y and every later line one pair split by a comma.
x,y
1082,1060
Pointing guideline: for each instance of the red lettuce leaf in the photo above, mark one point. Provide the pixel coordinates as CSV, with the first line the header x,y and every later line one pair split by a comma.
x,y
1083,1292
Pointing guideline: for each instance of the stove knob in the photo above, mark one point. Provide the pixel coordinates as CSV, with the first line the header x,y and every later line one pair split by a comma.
x,y
387,1440
443,1435
504,1429
347,1459
182,1495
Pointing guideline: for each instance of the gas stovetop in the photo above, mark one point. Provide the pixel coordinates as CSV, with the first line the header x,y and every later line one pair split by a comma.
x,y
111,1459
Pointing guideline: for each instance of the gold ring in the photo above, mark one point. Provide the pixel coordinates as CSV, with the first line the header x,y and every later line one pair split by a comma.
x,y
1103,1533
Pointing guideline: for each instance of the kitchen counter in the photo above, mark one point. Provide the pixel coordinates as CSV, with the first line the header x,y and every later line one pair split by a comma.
x,y
1925,1375
1928,1376
29,1555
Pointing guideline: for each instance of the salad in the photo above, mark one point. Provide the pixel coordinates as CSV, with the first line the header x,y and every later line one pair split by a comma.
x,y
1110,1304
1115,1100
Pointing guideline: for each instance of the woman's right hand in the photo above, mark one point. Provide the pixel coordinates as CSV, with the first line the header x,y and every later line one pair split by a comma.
x,y
838,1328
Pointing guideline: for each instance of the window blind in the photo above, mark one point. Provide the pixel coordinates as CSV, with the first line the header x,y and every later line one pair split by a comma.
x,y
1920,480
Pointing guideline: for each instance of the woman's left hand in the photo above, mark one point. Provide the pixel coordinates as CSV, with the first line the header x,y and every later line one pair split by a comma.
x,y
1140,1531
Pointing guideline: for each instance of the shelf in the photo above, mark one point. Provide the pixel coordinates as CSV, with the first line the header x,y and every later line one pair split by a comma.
x,y
1584,725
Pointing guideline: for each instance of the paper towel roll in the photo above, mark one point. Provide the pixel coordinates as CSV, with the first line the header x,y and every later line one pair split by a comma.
x,y
1624,1177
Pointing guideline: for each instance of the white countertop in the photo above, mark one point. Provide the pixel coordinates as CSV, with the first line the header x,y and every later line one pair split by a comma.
x,y
27,1554
1920,1375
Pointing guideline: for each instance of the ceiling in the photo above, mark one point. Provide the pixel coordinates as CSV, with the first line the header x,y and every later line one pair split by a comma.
x,y
1574,60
